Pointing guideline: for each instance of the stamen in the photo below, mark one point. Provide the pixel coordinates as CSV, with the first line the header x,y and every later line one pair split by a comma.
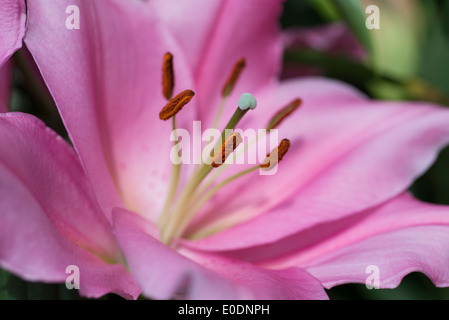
x,y
276,155
176,104
201,197
228,146
227,89
168,78
174,181
205,193
283,113
233,77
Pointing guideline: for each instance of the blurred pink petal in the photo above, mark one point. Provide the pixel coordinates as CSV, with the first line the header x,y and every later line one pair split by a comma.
x,y
50,219
227,31
111,99
12,27
152,261
334,39
12,31
400,236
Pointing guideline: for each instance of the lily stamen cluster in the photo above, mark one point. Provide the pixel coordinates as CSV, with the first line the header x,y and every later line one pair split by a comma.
x,y
177,213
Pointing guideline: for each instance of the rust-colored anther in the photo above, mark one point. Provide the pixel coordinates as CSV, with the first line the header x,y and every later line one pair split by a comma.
x,y
282,114
276,155
175,104
168,78
233,77
229,145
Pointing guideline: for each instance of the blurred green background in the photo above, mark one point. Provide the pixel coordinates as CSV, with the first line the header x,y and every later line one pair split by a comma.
x,y
406,59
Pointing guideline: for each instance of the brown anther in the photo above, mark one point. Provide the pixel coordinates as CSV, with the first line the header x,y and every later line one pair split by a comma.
x,y
175,104
233,77
276,155
283,113
168,78
229,145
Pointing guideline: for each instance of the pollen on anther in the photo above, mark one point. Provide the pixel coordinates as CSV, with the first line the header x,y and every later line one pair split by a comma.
x,y
168,78
233,77
276,155
175,104
282,114
229,145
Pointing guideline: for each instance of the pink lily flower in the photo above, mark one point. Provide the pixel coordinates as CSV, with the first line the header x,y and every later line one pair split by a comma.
x,y
337,204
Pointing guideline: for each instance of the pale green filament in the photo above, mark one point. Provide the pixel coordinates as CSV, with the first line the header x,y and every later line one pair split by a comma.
x,y
199,200
214,126
174,181
219,112
169,227
217,172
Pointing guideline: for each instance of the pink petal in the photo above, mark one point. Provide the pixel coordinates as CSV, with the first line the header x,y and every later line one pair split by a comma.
x,y
287,283
399,237
395,254
12,27
163,272
49,218
224,32
106,81
193,35
348,154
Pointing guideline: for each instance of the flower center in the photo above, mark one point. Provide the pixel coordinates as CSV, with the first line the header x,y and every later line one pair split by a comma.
x,y
179,211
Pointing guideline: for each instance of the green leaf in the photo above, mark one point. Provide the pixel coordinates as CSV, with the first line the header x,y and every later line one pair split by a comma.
x,y
414,286
433,64
14,288
327,9
338,67
11,287
433,185
300,13
445,13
